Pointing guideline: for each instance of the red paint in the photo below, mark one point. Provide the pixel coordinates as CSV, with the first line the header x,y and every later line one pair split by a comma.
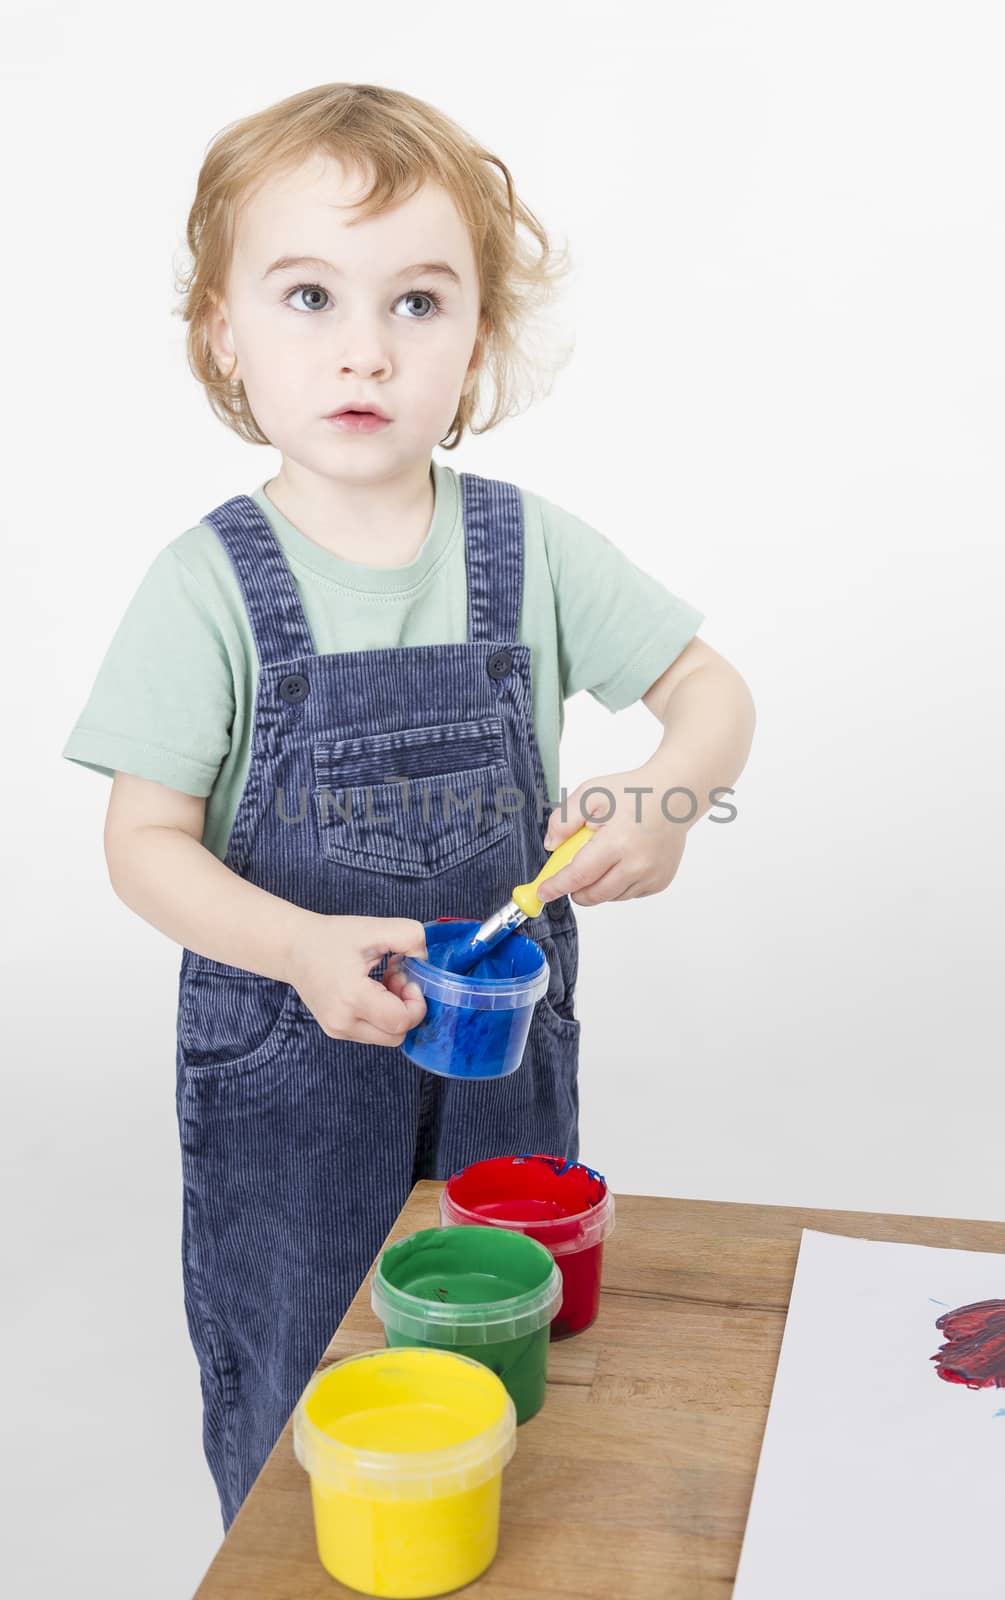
x,y
975,1351
581,1274
564,1205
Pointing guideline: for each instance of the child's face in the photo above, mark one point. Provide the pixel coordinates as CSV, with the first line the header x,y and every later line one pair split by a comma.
x,y
361,334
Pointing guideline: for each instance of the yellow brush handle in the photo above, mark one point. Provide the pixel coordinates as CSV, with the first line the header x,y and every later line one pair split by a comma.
x,y
526,895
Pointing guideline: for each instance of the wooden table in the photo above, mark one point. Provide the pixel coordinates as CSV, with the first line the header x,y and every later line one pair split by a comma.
x,y
634,1480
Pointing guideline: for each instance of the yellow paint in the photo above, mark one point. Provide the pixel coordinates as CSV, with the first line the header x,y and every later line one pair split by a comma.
x,y
409,1532
401,1427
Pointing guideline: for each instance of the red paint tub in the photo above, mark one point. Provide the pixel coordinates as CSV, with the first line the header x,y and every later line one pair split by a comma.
x,y
563,1204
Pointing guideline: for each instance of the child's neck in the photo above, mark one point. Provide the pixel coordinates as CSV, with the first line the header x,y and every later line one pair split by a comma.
x,y
374,525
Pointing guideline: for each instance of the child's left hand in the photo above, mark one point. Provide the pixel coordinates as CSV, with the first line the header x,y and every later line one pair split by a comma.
x,y
636,850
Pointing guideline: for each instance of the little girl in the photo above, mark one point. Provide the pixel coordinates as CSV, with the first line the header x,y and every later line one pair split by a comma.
x,y
323,728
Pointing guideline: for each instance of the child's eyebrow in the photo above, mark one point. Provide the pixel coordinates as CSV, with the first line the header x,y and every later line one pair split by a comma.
x,y
442,269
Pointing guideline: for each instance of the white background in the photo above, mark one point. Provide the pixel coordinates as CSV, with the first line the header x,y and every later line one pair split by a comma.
x,y
785,402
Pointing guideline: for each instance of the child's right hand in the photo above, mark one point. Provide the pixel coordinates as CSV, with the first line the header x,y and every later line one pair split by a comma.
x,y
329,970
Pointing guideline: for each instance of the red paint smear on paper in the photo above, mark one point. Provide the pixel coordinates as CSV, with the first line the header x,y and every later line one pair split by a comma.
x,y
975,1352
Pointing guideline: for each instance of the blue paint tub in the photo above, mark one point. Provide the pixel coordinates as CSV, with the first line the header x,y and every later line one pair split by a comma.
x,y
476,1023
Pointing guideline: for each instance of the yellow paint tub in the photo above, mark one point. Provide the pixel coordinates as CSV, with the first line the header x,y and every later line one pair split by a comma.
x,y
405,1449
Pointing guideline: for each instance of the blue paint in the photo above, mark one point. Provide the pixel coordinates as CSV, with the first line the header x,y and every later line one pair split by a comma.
x,y
461,957
1000,1413
560,1169
476,1023
938,1302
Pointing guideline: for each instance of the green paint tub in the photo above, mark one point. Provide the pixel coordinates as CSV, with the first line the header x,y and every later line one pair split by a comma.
x,y
483,1292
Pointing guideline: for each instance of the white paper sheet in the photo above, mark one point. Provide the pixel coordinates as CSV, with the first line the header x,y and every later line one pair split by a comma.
x,y
877,1479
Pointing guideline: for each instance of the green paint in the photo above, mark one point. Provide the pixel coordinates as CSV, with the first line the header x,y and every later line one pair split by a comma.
x,y
522,1364
483,1292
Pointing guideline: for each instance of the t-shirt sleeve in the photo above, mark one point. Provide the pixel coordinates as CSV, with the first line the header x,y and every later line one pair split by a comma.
x,y
162,704
619,628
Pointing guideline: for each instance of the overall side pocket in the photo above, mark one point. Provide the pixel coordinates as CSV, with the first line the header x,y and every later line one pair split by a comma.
x,y
231,1021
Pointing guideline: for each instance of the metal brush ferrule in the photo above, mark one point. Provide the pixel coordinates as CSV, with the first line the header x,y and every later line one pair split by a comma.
x,y
508,917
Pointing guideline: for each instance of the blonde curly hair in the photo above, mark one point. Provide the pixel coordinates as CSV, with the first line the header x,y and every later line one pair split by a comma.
x,y
401,141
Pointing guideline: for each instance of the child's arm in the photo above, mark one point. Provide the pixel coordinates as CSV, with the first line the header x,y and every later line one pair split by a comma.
x,y
708,718
159,867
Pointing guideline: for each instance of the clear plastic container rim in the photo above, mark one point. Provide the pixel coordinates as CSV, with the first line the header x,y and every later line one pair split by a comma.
x,y
530,1310
474,994
597,1223
485,1453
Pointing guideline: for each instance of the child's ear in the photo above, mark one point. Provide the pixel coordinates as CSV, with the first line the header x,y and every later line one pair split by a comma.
x,y
475,363
217,330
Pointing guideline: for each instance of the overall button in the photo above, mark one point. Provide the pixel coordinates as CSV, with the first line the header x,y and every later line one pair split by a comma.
x,y
294,689
500,664
555,908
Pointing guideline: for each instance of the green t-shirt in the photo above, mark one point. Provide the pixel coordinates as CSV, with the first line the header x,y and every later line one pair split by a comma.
x,y
175,694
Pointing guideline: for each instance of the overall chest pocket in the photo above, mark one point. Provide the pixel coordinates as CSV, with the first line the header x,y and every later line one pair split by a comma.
x,y
416,801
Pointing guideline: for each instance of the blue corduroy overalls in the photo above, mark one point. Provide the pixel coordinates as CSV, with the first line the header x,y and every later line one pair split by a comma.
x,y
299,1150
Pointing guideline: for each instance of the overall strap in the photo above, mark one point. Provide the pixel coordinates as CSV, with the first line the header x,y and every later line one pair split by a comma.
x,y
493,547
493,539
278,623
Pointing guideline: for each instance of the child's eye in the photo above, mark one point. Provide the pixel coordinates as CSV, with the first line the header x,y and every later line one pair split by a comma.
x,y
410,294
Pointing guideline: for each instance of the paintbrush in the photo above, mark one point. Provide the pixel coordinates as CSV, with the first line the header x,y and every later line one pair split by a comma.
x,y
524,903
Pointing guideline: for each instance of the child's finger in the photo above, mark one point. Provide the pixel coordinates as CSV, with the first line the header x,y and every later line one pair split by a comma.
x,y
386,1011
398,934
400,983
560,828
395,980
366,1033
584,869
610,885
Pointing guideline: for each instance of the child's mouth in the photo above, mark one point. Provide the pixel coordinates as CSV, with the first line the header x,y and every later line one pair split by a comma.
x,y
359,421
